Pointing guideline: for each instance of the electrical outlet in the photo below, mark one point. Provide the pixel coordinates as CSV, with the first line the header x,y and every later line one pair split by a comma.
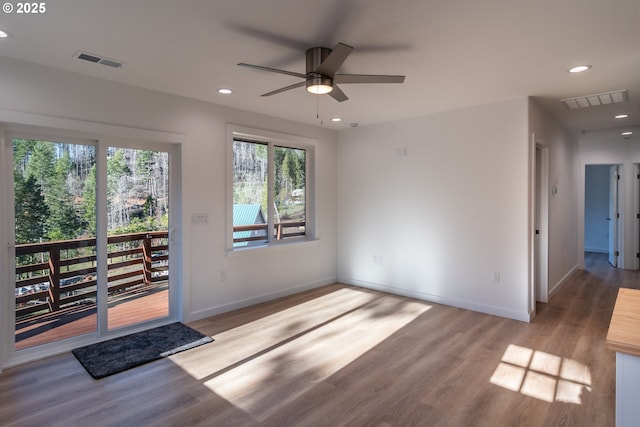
x,y
223,276
378,260
495,277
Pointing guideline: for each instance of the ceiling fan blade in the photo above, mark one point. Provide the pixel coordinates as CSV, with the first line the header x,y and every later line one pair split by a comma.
x,y
270,37
284,89
337,94
335,59
366,78
273,70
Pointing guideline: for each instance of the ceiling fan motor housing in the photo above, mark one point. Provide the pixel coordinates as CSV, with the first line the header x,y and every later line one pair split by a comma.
x,y
317,83
315,57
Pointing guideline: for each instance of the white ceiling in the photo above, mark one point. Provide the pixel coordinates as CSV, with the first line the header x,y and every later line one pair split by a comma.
x,y
455,53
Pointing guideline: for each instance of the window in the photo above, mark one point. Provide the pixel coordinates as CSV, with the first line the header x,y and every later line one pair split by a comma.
x,y
270,190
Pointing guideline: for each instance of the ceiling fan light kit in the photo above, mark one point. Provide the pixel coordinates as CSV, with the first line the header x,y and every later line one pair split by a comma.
x,y
319,85
321,66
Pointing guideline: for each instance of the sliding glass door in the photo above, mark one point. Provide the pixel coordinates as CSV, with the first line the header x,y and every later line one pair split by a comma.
x,y
91,227
138,236
55,244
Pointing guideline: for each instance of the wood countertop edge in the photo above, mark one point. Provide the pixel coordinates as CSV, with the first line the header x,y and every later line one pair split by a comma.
x,y
623,325
622,347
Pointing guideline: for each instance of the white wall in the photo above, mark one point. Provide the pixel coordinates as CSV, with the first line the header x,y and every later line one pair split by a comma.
x,y
563,205
607,148
428,207
596,208
435,224
200,128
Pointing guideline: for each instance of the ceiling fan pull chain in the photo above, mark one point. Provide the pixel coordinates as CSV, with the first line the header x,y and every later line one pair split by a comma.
x,y
318,111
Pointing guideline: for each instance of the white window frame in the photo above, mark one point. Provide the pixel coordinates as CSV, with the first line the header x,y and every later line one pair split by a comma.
x,y
272,139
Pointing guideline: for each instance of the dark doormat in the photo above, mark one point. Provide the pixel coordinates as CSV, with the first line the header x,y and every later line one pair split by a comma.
x,y
119,354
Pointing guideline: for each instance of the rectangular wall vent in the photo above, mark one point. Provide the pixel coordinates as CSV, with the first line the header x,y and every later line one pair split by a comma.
x,y
597,99
97,59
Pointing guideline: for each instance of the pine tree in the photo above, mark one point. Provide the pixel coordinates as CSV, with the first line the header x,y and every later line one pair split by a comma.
x,y
63,222
41,164
31,211
89,201
117,190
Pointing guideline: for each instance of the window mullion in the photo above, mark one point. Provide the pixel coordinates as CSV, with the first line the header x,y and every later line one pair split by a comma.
x,y
270,192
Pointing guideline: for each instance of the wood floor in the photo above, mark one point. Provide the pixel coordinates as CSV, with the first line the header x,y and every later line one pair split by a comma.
x,y
341,355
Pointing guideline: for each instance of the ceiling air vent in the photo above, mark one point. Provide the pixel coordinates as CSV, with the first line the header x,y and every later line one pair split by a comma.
x,y
597,99
97,59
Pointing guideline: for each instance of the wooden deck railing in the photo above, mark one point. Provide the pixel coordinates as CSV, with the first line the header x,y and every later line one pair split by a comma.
x,y
282,230
62,273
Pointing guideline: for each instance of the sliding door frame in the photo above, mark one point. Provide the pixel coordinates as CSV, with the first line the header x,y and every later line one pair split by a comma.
x,y
127,138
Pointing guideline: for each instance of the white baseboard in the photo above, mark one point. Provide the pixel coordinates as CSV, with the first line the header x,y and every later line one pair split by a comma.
x,y
522,316
212,311
597,250
553,290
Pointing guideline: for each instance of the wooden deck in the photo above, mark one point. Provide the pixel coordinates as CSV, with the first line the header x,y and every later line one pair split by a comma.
x,y
82,319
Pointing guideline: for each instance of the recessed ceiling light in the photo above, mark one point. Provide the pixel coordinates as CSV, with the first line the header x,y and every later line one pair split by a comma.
x,y
4,34
621,116
627,133
336,119
579,68
225,91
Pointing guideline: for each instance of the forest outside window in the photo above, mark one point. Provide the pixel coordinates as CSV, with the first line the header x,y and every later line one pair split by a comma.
x,y
270,192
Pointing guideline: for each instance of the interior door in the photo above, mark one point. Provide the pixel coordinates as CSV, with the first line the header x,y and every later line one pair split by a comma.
x,y
614,216
541,221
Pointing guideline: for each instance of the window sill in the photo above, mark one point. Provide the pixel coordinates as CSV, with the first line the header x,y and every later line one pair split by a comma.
x,y
258,249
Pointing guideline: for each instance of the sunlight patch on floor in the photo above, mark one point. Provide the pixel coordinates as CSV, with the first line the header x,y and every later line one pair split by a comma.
x,y
245,341
542,375
280,373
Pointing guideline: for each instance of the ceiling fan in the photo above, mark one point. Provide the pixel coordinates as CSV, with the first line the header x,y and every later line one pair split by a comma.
x,y
321,77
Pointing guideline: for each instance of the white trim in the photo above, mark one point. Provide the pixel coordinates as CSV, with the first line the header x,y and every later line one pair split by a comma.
x,y
292,245
83,128
5,277
597,250
636,216
539,253
201,314
543,210
101,238
563,280
177,287
271,139
522,316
